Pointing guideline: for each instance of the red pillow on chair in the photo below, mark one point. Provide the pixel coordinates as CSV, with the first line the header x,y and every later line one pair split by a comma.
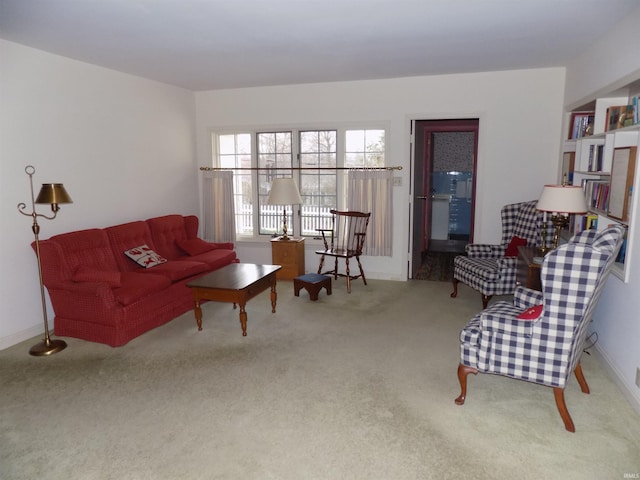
x,y
512,248
531,313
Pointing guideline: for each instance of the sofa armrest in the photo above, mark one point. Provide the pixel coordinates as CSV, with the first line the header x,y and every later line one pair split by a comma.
x,y
74,299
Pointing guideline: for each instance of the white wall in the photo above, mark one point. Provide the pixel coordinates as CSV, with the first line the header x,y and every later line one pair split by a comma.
x,y
520,126
123,146
609,64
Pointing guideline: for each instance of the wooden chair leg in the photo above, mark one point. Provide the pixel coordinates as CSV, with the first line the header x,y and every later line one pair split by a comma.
x,y
346,261
558,393
454,294
581,380
361,271
485,301
321,265
463,371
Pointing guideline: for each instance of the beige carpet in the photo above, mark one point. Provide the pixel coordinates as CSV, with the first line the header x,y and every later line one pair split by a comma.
x,y
356,386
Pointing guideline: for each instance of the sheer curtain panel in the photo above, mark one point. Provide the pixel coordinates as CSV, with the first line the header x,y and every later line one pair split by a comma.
x,y
372,191
218,206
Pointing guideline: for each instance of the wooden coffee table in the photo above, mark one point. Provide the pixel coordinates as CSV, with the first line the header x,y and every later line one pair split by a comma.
x,y
236,283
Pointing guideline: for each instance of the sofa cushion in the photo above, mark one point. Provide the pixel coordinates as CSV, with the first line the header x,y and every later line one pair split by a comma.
x,y
167,232
216,258
196,246
112,278
86,248
135,286
176,270
144,256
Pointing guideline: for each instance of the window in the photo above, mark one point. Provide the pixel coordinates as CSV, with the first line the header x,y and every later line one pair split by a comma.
x,y
275,156
318,184
321,155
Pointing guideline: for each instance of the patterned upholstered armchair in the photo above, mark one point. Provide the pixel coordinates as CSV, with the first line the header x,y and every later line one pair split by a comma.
x,y
492,269
539,337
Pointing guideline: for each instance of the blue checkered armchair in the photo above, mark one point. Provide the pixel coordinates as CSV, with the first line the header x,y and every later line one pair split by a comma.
x,y
485,267
539,336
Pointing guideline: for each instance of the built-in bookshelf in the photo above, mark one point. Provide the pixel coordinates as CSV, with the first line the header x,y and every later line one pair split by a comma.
x,y
602,158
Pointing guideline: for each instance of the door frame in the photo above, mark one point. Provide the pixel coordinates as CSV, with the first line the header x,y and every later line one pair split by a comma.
x,y
458,124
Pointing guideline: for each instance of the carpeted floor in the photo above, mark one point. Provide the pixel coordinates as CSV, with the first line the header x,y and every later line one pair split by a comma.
x,y
356,386
436,266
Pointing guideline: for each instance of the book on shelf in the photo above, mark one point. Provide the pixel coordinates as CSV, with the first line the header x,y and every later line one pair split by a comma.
x,y
581,124
596,193
586,221
623,249
590,221
596,154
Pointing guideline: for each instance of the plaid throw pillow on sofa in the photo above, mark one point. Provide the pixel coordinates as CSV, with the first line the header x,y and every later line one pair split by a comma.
x,y
144,256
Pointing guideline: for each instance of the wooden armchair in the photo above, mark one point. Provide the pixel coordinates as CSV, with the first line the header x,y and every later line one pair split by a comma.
x,y
344,239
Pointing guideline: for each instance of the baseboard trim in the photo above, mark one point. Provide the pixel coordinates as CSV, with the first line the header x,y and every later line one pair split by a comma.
x,y
14,339
618,379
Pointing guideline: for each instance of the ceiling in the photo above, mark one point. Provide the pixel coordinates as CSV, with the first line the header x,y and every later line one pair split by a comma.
x,y
217,44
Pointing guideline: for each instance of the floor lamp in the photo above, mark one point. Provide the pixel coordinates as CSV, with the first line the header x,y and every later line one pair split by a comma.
x,y
53,194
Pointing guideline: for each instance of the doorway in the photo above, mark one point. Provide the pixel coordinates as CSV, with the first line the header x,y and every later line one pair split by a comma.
x,y
444,154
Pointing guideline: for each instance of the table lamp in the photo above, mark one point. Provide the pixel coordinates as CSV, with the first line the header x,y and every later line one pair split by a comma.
x,y
561,201
284,191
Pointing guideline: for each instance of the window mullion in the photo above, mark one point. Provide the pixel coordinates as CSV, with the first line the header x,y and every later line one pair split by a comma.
x,y
255,190
295,152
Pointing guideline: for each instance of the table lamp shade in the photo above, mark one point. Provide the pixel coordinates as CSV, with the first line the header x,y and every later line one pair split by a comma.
x,y
562,199
284,191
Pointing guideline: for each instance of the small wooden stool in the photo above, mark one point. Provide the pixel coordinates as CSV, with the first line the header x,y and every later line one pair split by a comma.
x,y
313,283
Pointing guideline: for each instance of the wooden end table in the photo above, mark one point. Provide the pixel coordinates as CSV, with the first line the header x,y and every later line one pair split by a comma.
x,y
528,273
289,254
236,283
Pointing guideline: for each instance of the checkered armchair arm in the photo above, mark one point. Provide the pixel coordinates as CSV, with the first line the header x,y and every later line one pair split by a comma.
x,y
502,318
524,297
483,250
507,263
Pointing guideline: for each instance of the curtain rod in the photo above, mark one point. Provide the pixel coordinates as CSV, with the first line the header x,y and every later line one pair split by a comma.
x,y
301,168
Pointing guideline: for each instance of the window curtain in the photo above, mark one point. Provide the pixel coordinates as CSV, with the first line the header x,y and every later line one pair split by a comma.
x,y
372,191
218,206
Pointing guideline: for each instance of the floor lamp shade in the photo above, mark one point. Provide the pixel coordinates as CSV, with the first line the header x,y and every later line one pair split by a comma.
x,y
53,194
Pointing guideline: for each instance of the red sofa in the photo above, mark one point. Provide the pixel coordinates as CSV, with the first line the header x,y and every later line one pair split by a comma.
x,y
100,294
